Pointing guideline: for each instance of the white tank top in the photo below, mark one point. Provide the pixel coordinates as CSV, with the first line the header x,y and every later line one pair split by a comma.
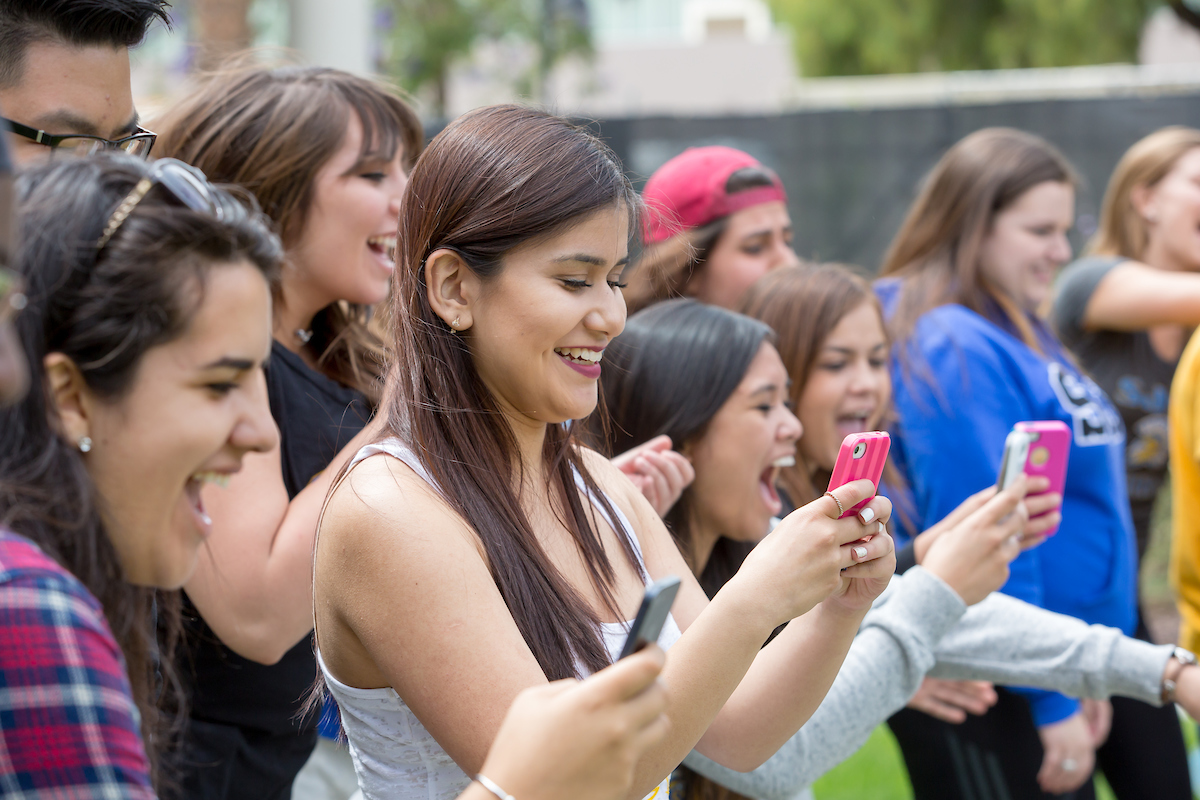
x,y
394,755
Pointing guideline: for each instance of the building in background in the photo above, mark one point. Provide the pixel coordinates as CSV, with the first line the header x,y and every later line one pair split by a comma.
x,y
649,57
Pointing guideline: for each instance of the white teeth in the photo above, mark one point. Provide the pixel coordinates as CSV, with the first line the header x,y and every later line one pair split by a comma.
x,y
581,354
385,243
218,478
785,461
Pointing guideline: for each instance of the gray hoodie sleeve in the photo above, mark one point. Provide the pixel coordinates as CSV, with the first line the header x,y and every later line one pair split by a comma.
x,y
884,667
920,620
1005,640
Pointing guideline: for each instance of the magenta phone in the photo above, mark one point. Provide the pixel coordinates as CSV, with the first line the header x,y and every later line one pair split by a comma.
x,y
862,455
652,614
1037,448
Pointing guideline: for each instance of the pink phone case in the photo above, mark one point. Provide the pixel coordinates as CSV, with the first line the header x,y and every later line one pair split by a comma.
x,y
862,455
1048,453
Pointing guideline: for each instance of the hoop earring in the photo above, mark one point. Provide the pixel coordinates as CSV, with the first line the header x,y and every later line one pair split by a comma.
x,y
85,444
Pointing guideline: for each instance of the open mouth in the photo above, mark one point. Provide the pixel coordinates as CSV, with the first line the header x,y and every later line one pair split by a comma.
x,y
854,423
193,488
383,246
766,488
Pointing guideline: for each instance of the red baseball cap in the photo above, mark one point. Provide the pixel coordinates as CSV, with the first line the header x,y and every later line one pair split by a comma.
x,y
689,191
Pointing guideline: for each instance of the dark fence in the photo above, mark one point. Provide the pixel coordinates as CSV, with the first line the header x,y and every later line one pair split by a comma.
x,y
850,174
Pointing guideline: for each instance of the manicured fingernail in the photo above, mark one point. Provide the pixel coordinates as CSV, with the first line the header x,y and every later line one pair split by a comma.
x,y
866,515
882,528
860,553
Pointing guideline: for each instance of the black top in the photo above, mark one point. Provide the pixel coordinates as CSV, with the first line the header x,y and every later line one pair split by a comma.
x,y
1130,372
317,417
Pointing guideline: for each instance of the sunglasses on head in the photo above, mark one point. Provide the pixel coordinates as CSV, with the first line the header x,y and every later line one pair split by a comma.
x,y
185,183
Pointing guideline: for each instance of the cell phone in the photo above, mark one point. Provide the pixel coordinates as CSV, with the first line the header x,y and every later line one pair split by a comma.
x,y
862,455
1037,448
652,614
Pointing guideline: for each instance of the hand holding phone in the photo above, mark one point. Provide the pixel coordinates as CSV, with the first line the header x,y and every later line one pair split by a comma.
x,y
1037,449
652,614
862,455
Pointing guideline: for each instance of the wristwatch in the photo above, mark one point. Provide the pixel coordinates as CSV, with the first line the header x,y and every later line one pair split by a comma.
x,y
1184,658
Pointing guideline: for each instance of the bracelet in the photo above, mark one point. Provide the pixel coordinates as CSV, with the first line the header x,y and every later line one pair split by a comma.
x,y
491,786
1184,659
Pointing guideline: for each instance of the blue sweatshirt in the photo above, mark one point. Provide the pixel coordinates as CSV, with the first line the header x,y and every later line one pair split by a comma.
x,y
968,380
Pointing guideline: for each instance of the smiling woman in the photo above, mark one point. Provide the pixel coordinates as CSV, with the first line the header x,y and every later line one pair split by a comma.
x,y
327,155
967,277
513,237
167,320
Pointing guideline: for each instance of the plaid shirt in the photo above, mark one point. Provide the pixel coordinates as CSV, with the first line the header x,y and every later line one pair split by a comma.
x,y
68,723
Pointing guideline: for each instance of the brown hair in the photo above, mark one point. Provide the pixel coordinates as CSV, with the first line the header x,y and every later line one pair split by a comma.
x,y
271,131
936,251
665,269
802,305
1122,230
105,311
494,179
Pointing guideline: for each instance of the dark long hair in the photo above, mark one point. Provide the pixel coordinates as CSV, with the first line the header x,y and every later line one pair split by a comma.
x,y
271,131
670,372
105,311
936,251
494,179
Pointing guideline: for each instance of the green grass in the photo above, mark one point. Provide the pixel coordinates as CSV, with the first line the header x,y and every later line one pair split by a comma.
x,y
876,771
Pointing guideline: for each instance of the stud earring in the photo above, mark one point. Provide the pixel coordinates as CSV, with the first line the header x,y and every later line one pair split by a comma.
x,y
455,324
85,444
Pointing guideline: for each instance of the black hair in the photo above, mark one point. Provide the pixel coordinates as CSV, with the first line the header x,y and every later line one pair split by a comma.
x,y
82,23
669,372
104,309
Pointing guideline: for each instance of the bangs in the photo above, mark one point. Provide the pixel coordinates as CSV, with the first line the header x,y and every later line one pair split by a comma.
x,y
387,125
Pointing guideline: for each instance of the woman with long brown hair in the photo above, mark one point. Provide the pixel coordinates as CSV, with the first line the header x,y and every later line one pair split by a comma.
x,y
965,278
327,155
517,554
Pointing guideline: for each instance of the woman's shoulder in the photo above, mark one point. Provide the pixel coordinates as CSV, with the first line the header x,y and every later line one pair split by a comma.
x,y
22,561
385,504
38,593
610,480
946,335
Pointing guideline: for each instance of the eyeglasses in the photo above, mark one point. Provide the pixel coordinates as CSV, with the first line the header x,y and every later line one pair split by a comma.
x,y
185,183
12,299
81,144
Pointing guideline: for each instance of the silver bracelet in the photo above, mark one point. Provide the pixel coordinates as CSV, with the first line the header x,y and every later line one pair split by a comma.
x,y
492,787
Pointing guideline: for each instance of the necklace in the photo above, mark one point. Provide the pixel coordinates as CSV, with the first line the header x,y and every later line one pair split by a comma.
x,y
305,336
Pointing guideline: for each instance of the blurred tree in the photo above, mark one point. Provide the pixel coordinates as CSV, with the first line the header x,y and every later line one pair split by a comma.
x,y
866,37
428,36
222,28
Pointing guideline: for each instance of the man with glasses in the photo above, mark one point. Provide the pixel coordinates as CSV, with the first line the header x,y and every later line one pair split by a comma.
x,y
64,75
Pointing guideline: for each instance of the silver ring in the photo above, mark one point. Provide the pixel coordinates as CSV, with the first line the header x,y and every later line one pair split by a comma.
x,y
1069,765
841,511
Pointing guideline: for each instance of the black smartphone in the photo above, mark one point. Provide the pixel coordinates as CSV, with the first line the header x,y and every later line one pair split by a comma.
x,y
656,604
